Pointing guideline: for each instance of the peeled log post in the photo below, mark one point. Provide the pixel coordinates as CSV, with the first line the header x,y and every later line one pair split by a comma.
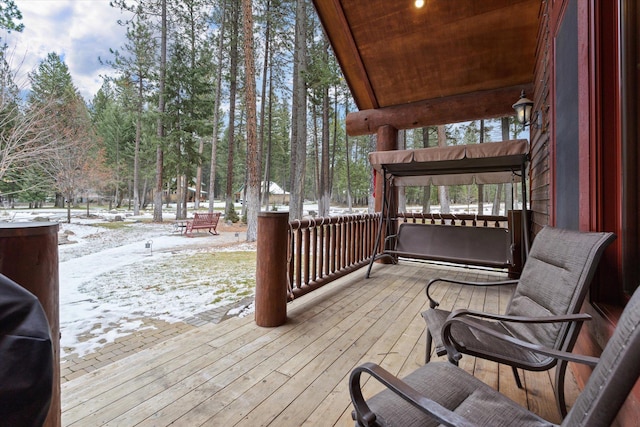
x,y
271,270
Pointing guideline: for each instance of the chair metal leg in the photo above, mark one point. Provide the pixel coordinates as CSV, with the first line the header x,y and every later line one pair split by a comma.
x,y
427,354
561,369
516,376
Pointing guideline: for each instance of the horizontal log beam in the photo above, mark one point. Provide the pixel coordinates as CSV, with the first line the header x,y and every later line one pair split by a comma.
x,y
433,112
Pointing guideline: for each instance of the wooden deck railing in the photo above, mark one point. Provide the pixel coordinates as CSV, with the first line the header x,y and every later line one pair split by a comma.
x,y
303,255
324,249
455,219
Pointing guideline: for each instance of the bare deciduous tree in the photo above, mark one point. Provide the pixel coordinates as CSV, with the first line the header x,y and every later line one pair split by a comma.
x,y
24,136
74,163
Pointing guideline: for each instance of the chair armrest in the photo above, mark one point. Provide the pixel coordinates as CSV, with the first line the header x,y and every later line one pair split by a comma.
x,y
366,417
576,317
433,303
389,237
454,355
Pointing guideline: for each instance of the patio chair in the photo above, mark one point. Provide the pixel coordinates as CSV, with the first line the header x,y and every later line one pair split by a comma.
x,y
543,310
440,393
26,357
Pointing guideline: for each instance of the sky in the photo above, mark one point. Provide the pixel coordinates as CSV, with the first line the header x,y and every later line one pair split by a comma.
x,y
80,31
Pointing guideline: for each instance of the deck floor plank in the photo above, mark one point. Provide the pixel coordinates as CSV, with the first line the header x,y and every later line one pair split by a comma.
x,y
392,322
361,332
281,345
236,373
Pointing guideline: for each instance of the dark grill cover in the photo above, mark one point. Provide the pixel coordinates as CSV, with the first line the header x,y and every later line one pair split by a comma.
x,y
26,357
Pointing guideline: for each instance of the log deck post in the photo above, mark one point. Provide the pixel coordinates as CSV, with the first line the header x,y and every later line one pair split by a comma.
x,y
271,269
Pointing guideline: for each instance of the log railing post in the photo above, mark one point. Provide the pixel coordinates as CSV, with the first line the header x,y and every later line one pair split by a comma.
x,y
271,269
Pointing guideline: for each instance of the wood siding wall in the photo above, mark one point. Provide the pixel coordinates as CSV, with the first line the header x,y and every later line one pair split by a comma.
x,y
540,170
594,335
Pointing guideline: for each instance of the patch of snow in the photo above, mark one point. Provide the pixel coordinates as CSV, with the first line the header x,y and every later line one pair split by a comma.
x,y
242,311
113,279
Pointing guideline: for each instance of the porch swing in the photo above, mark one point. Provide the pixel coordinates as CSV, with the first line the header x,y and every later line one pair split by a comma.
x,y
488,163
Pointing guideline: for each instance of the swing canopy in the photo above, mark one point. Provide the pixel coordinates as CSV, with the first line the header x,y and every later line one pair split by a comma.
x,y
488,163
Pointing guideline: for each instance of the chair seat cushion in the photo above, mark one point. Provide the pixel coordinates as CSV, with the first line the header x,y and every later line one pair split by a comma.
x,y
478,343
456,390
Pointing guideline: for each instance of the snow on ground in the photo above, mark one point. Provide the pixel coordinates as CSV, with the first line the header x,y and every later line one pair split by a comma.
x,y
111,279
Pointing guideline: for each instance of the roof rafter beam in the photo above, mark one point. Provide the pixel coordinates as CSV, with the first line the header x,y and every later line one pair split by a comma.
x,y
432,112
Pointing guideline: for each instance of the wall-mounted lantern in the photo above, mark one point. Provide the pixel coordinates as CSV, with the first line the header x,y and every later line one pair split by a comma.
x,y
523,107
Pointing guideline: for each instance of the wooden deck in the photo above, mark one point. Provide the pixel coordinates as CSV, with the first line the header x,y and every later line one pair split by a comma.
x,y
235,373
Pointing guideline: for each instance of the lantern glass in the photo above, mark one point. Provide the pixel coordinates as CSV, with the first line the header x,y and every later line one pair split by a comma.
x,y
523,108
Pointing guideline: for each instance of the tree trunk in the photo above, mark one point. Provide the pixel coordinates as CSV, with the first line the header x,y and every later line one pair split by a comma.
x,y
426,190
299,114
185,194
69,208
193,54
136,157
216,111
371,205
198,188
443,191
179,214
253,160
265,70
157,197
267,162
496,200
347,157
230,209
480,186
325,189
143,199
402,199
316,155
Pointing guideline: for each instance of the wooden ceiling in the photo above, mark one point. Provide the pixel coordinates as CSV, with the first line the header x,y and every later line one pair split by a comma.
x,y
393,53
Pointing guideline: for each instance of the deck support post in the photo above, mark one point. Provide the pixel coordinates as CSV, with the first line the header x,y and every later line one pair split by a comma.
x,y
387,140
271,269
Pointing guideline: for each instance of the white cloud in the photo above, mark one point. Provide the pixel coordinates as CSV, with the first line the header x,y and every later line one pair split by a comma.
x,y
80,31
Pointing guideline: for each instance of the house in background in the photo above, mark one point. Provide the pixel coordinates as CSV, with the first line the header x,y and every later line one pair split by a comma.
x,y
276,194
435,62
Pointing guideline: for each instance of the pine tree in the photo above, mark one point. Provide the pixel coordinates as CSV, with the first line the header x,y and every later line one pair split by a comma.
x,y
136,62
10,15
189,95
114,124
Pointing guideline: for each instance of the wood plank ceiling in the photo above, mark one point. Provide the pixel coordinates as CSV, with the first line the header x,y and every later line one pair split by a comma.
x,y
393,53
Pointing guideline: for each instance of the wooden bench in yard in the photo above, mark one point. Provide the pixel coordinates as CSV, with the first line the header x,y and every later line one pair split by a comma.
x,y
203,221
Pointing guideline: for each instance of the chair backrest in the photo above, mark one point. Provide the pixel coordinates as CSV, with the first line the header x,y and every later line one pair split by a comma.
x,y
615,375
554,281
